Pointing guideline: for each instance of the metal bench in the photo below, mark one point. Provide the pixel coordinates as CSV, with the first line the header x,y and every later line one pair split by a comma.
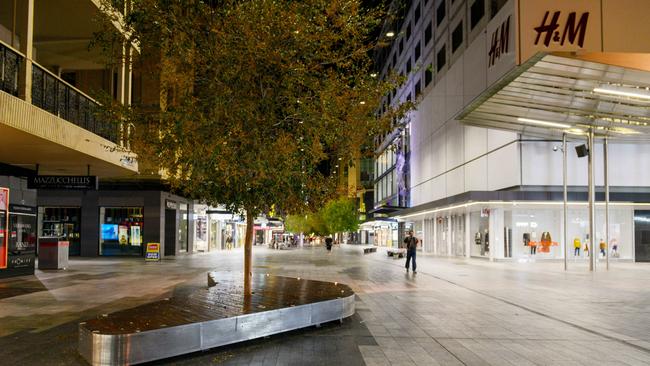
x,y
396,252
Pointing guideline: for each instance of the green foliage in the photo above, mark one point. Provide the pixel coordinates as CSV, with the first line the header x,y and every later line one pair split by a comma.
x,y
255,96
297,224
341,216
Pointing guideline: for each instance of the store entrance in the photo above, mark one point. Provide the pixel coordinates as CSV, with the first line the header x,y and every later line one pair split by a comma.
x,y
170,232
641,236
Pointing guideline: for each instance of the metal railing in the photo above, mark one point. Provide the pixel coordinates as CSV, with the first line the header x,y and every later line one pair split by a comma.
x,y
10,61
54,95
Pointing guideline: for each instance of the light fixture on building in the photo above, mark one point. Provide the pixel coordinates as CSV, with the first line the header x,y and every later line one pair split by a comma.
x,y
390,34
373,75
362,102
543,123
623,92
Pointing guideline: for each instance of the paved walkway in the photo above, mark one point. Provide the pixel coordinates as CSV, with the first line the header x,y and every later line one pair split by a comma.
x,y
452,312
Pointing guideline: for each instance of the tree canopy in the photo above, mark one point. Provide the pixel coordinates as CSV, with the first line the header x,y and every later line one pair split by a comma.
x,y
337,216
258,98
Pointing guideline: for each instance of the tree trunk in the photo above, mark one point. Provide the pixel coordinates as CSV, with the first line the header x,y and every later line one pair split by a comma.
x,y
248,254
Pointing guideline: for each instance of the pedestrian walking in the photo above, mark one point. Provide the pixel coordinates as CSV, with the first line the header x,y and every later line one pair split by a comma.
x,y
328,243
411,247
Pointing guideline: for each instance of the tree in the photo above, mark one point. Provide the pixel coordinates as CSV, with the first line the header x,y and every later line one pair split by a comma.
x,y
341,215
258,98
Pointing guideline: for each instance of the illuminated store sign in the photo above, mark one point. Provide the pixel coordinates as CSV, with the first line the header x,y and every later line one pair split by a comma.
x,y
62,182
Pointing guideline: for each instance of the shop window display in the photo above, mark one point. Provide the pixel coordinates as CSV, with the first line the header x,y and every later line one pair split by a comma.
x,y
121,230
63,223
4,208
480,234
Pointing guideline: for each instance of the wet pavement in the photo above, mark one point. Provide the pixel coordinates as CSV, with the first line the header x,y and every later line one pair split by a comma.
x,y
452,312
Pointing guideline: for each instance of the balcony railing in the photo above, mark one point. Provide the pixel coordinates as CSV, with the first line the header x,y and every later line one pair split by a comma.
x,y
67,102
54,95
10,61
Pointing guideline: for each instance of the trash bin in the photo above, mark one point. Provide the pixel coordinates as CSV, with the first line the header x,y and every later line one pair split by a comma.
x,y
52,253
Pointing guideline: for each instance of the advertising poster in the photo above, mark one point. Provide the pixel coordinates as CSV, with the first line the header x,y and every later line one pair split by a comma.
x,y
202,228
136,239
153,252
123,234
109,232
4,215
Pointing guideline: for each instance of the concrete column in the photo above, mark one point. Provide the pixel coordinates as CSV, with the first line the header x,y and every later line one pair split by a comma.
x,y
435,235
496,226
26,32
449,236
468,236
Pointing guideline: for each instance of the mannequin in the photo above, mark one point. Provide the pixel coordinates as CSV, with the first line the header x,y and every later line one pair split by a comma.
x,y
533,245
576,246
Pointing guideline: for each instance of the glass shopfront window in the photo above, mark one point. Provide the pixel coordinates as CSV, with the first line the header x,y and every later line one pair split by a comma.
x,y
182,227
22,237
63,223
121,230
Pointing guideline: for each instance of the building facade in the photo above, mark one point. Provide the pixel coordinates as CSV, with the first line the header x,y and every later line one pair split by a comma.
x,y
66,173
498,83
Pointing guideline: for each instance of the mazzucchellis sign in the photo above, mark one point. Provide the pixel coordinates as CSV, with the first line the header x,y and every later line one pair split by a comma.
x,y
62,182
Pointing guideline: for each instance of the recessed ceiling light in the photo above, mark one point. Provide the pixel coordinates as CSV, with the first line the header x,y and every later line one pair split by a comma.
x,y
628,92
543,123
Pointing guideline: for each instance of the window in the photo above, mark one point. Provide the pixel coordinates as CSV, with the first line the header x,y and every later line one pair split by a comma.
x,y
441,58
427,34
416,14
409,97
428,75
457,37
183,225
408,31
476,12
394,60
495,6
418,89
120,230
440,13
416,53
62,222
401,46
408,66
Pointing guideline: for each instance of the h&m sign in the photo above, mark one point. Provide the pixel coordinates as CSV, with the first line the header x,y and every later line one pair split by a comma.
x,y
500,42
558,26
563,30
62,182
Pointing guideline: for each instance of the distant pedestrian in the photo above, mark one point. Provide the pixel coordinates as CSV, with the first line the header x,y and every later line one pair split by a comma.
x,y
328,243
411,247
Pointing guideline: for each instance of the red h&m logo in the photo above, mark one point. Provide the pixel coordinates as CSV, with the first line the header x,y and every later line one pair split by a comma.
x,y
499,43
571,31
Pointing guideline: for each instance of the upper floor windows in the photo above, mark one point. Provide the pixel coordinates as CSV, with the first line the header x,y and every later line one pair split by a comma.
x,y
416,52
495,6
428,34
441,11
416,14
408,31
476,12
428,75
457,37
441,58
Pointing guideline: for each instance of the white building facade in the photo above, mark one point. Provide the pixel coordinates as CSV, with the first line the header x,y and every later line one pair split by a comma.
x,y
480,180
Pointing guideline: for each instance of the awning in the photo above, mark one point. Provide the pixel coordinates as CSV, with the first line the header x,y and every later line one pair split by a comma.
x,y
550,95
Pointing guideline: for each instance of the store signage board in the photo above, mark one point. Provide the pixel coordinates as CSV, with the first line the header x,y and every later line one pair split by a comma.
x,y
64,182
558,26
153,252
171,205
500,45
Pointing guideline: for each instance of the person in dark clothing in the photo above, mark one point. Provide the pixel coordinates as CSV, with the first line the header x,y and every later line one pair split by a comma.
x,y
411,247
328,243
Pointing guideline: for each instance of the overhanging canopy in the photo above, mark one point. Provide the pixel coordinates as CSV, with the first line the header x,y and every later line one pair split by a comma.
x,y
550,95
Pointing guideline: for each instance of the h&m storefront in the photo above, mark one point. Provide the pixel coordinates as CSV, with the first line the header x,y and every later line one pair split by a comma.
x,y
525,230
